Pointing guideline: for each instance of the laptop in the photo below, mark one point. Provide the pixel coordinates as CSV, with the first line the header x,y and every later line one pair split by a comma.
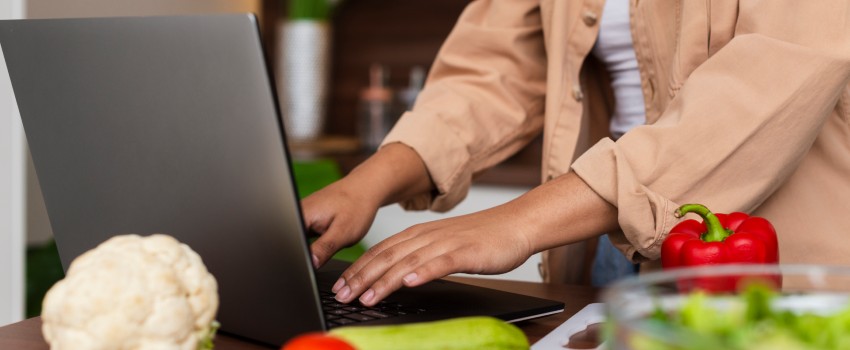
x,y
170,125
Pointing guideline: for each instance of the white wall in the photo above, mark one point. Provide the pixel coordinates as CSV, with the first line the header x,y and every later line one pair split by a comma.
x,y
392,219
12,185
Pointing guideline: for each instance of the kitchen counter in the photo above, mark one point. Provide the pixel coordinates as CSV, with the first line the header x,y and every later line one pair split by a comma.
x,y
26,335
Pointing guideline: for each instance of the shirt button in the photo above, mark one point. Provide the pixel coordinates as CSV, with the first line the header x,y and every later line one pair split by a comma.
x,y
589,18
577,94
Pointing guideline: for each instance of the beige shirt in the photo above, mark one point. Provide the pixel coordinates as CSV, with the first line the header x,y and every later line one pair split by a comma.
x,y
747,107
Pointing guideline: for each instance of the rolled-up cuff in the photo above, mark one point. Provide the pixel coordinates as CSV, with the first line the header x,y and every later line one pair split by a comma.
x,y
445,157
645,217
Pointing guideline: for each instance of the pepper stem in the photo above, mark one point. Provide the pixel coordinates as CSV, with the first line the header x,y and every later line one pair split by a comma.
x,y
715,232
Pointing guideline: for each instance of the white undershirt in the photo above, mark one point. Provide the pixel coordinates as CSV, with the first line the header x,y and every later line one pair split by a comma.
x,y
615,49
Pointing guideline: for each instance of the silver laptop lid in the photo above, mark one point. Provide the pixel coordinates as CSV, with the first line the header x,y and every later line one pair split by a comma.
x,y
168,124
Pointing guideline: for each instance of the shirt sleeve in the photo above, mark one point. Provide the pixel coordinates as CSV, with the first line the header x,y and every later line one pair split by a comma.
x,y
741,123
483,100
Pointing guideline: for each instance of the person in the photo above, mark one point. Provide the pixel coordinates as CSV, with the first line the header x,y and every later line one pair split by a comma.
x,y
747,108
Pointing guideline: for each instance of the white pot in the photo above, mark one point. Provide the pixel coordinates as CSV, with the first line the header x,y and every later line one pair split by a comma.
x,y
304,67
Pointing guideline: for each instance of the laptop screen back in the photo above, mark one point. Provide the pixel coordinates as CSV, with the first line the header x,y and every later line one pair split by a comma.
x,y
168,125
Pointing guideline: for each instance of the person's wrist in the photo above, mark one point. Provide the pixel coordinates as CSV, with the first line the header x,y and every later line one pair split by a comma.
x,y
362,191
395,173
528,227
566,210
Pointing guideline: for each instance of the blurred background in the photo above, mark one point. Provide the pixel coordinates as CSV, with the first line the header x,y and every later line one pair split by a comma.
x,y
345,71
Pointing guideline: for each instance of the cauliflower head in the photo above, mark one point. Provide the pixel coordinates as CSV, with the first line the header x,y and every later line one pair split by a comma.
x,y
132,292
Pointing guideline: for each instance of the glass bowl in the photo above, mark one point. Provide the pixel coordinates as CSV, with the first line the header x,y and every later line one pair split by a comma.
x,y
633,305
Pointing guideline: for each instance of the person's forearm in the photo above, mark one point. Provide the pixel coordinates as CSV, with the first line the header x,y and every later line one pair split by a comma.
x,y
562,211
394,173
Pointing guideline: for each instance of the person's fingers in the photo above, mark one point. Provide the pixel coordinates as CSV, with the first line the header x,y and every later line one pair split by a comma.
x,y
356,279
337,236
316,218
361,275
407,270
438,267
375,250
337,224
322,249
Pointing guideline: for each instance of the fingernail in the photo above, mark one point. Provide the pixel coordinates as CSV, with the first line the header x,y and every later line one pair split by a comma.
x,y
315,261
410,278
339,284
367,297
343,294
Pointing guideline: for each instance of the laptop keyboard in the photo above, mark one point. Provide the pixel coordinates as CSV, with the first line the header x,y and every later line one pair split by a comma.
x,y
338,314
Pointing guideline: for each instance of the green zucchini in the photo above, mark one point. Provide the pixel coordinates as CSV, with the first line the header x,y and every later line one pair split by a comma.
x,y
466,333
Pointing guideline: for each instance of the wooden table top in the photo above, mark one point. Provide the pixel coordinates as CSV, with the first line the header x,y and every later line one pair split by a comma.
x,y
26,335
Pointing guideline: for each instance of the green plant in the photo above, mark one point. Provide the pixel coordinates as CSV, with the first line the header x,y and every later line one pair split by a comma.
x,y
309,9
43,270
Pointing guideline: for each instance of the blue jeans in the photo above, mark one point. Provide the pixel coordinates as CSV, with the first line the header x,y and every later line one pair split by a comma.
x,y
609,264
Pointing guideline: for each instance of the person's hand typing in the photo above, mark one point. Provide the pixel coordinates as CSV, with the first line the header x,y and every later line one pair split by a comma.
x,y
339,216
343,212
493,241
488,242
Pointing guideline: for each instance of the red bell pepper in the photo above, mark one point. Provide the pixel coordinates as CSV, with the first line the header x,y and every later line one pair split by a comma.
x,y
734,238
316,341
